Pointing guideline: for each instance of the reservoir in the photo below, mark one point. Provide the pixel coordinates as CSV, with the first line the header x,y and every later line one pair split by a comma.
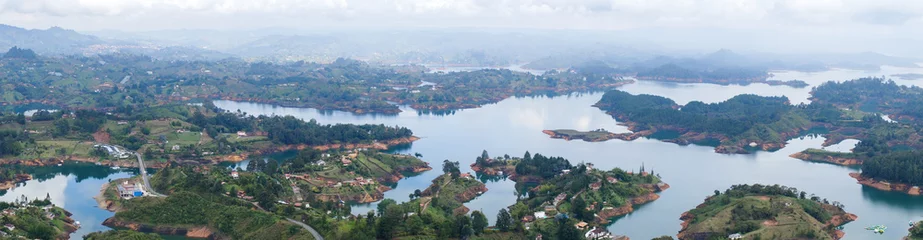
x,y
513,126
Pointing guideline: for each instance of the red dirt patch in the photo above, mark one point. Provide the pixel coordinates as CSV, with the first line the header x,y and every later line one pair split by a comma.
x,y
101,136
770,223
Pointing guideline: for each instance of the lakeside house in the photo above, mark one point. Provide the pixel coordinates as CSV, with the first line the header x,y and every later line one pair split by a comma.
x,y
598,233
540,215
127,190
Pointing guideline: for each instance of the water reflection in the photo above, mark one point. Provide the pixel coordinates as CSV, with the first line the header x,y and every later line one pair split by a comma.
x,y
514,126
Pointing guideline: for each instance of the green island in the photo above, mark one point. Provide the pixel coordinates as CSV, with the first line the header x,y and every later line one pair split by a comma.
x,y
570,202
598,135
121,234
35,219
764,212
888,151
124,82
742,124
436,212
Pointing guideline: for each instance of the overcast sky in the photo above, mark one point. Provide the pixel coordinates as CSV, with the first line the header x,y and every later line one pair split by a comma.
x,y
879,21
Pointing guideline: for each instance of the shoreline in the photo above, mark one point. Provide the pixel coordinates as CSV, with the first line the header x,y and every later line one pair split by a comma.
x,y
886,186
826,159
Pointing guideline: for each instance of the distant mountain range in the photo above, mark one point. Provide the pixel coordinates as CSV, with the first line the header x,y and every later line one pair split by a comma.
x,y
541,49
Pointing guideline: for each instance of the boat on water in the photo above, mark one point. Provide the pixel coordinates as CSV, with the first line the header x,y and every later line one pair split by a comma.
x,y
116,168
880,229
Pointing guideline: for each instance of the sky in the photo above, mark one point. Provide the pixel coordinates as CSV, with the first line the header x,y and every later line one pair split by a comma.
x,y
857,21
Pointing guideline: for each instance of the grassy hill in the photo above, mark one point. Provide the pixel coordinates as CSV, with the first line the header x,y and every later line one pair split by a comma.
x,y
764,212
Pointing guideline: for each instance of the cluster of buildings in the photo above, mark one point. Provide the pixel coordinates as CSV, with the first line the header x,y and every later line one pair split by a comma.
x,y
128,190
113,150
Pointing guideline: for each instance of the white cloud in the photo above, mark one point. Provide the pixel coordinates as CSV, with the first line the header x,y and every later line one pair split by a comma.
x,y
593,14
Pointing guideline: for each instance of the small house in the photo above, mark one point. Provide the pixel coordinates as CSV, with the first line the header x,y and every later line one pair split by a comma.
x,y
612,180
528,219
595,186
540,215
735,236
9,227
598,233
550,209
581,225
560,198
235,174
466,175
241,134
175,148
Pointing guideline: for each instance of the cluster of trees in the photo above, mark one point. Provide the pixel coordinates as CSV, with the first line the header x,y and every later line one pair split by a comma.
x,y
901,167
874,94
121,234
229,216
732,117
290,130
541,166
11,142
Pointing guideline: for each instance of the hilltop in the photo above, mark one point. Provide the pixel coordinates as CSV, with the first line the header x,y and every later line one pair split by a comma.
x,y
770,212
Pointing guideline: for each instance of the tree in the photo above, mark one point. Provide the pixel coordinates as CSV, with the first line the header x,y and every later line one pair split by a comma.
x,y
463,227
478,222
567,231
504,220
449,167
388,223
579,209
384,204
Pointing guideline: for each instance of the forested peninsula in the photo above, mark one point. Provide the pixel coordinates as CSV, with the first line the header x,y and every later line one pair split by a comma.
x,y
741,124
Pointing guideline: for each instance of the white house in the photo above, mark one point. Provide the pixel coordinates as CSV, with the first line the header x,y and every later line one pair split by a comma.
x,y
598,233
735,236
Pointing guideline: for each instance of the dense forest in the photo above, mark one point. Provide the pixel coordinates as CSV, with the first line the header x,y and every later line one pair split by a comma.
x,y
121,235
675,72
541,166
10,143
901,167
291,130
874,95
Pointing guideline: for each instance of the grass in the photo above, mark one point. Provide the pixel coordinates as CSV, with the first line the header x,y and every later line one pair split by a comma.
x,y
791,223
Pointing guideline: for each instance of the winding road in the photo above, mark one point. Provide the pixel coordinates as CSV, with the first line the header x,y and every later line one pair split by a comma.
x,y
147,186
146,179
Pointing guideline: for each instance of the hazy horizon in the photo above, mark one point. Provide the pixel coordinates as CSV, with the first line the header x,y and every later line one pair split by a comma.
x,y
843,26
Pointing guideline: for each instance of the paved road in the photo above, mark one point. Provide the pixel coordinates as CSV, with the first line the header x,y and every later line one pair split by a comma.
x,y
309,228
147,185
146,179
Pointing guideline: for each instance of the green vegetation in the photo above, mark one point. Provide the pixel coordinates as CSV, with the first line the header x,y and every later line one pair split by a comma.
x,y
901,167
36,219
758,211
123,83
739,121
526,168
916,231
121,235
229,217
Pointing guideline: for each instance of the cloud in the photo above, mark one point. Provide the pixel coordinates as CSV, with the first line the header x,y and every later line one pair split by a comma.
x,y
591,14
